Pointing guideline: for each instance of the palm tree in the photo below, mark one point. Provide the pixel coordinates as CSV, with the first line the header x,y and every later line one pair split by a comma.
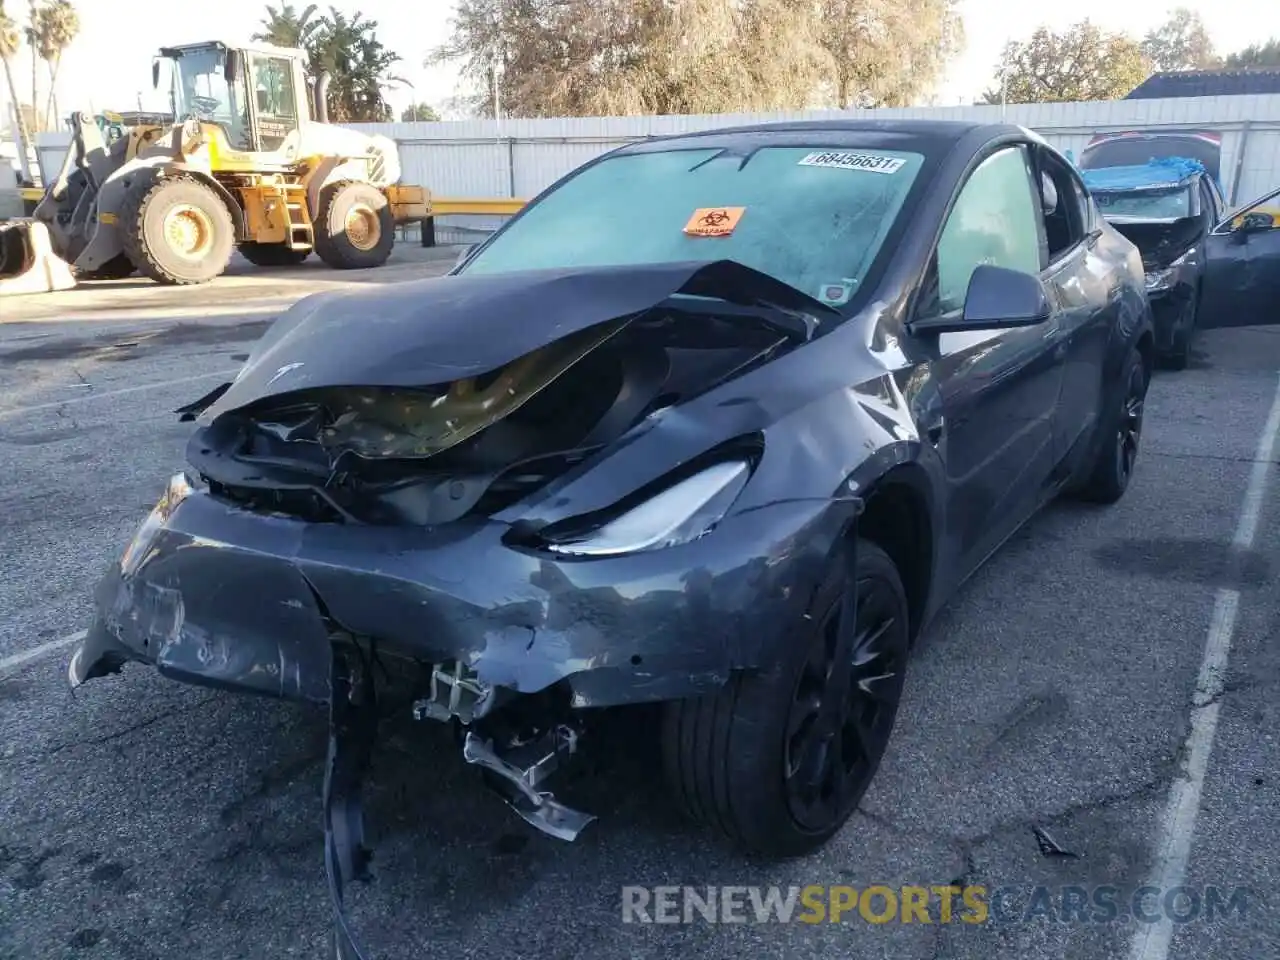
x,y
357,61
57,26
10,41
286,27
33,41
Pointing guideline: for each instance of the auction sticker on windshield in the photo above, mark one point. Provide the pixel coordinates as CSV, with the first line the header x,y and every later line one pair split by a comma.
x,y
714,221
854,161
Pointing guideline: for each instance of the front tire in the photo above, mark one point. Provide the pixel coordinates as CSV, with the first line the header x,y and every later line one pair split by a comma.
x,y
1121,434
777,760
354,228
176,230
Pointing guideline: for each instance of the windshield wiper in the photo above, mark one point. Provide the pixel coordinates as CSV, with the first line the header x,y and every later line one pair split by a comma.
x,y
798,327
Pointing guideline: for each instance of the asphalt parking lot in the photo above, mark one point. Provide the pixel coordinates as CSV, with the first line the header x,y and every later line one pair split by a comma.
x,y
1066,690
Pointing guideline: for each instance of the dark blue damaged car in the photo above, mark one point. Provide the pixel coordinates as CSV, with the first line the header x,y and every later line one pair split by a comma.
x,y
717,422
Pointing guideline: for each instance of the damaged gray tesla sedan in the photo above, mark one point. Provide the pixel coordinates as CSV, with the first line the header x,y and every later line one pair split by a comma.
x,y
718,422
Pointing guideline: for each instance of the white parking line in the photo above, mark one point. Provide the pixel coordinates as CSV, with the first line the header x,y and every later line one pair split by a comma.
x,y
1177,828
13,662
70,401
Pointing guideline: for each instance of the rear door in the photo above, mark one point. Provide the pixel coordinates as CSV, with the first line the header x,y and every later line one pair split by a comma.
x,y
1241,285
1082,280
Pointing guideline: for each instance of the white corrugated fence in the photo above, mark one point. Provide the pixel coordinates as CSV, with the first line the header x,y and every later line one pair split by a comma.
x,y
518,158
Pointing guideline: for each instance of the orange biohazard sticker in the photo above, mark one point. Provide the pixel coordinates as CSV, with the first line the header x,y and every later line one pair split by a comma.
x,y
714,221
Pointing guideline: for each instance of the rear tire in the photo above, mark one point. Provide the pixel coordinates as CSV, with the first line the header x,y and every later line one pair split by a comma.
x,y
176,230
272,254
354,228
754,759
1121,434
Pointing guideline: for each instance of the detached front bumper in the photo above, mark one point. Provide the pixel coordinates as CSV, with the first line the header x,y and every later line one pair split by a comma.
x,y
216,595
1172,306
1170,312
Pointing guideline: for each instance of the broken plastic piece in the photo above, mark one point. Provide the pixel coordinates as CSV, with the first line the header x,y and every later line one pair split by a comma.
x,y
353,721
518,785
454,693
1050,847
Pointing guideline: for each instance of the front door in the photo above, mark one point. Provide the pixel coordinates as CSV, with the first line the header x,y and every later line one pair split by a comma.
x,y
1241,285
998,388
275,100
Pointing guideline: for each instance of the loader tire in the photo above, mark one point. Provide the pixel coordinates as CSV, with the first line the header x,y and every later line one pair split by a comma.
x,y
176,230
117,268
272,254
354,228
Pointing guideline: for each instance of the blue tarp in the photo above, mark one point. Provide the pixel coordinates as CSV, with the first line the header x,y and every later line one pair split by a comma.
x,y
1161,172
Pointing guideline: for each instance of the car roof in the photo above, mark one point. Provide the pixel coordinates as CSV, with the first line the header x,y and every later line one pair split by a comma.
x,y
928,136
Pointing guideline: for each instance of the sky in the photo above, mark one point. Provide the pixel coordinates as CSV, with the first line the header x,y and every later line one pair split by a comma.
x,y
109,65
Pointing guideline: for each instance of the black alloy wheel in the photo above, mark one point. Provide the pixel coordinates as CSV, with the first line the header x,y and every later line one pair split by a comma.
x,y
843,708
778,758
1129,433
1117,455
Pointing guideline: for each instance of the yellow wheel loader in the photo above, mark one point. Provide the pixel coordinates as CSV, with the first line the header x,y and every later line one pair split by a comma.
x,y
243,165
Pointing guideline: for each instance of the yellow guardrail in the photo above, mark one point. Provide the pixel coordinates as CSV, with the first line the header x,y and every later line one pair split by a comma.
x,y
32,193
477,206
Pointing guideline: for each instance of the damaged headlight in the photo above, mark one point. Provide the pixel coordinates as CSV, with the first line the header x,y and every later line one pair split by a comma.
x,y
1160,280
179,488
683,512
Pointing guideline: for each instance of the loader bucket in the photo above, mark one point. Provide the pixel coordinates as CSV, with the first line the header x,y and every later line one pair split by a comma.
x,y
27,261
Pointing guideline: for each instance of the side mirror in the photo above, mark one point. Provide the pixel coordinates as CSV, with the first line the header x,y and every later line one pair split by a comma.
x,y
233,66
155,73
1256,223
998,298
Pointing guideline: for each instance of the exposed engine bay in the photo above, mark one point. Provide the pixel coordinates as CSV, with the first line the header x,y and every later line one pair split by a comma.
x,y
394,455
1161,243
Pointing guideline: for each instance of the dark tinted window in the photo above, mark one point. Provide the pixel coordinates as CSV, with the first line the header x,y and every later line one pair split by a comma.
x,y
1063,206
996,219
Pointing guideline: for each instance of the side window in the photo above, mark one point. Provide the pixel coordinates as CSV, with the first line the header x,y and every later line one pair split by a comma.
x,y
1063,206
1261,215
277,107
996,220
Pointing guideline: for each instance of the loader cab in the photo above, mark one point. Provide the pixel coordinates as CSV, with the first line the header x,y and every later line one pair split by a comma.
x,y
257,96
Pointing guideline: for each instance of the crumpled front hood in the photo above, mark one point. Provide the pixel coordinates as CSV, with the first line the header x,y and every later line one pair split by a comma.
x,y
1161,243
443,329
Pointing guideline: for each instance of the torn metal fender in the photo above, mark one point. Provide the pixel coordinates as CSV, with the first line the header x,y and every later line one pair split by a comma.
x,y
443,329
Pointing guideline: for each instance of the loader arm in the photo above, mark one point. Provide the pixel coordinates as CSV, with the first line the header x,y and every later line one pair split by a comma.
x,y
69,205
